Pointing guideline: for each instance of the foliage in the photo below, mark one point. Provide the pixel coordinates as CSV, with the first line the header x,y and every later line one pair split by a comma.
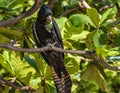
x,y
87,29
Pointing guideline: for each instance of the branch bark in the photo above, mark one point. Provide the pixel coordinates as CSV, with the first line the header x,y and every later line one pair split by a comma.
x,y
51,4
23,15
52,47
71,10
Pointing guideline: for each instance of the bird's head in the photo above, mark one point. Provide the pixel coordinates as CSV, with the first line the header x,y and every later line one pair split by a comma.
x,y
45,14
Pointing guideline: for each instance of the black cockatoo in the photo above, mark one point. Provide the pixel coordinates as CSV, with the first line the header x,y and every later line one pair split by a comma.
x,y
45,31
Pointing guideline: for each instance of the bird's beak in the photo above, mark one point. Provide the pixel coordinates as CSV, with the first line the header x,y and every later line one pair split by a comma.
x,y
49,18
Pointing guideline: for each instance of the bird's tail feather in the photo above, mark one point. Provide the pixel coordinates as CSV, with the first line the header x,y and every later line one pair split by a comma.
x,y
62,79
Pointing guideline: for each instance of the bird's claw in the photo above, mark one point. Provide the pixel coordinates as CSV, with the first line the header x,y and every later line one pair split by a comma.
x,y
50,45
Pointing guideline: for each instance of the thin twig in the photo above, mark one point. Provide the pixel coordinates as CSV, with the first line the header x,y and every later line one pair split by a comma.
x,y
118,8
71,10
85,59
85,4
13,80
106,7
23,15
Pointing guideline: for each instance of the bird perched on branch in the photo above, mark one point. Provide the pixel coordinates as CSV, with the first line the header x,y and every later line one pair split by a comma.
x,y
45,31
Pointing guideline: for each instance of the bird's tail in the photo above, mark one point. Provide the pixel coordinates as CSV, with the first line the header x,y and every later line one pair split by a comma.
x,y
62,79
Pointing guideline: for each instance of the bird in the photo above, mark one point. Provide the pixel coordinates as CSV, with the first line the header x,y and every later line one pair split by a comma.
x,y
45,32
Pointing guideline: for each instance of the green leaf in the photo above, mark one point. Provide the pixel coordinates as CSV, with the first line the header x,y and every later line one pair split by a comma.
x,y
67,44
6,64
72,62
80,36
92,73
61,23
100,39
32,63
50,88
41,62
4,39
34,82
114,51
94,16
17,4
106,15
6,3
17,91
71,29
11,34
1,17
79,20
47,72
89,40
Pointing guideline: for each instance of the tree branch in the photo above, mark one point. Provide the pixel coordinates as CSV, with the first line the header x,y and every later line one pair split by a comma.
x,y
52,47
5,82
85,4
106,7
51,3
23,15
118,8
71,10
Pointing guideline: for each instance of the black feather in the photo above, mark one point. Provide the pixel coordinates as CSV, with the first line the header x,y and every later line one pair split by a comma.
x,y
54,59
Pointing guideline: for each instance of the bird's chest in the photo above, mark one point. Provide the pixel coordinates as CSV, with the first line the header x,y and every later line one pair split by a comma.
x,y
47,36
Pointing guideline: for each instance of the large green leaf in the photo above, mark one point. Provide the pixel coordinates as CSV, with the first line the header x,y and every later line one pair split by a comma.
x,y
47,72
72,62
107,15
79,20
50,88
1,17
114,51
89,40
80,36
11,34
32,63
99,39
71,29
34,82
94,16
4,39
92,73
6,3
61,23
6,65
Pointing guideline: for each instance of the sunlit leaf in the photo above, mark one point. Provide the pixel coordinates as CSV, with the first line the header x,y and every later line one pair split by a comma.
x,y
61,23
34,82
6,65
80,36
11,34
50,88
32,63
4,39
71,63
106,15
94,16
80,19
